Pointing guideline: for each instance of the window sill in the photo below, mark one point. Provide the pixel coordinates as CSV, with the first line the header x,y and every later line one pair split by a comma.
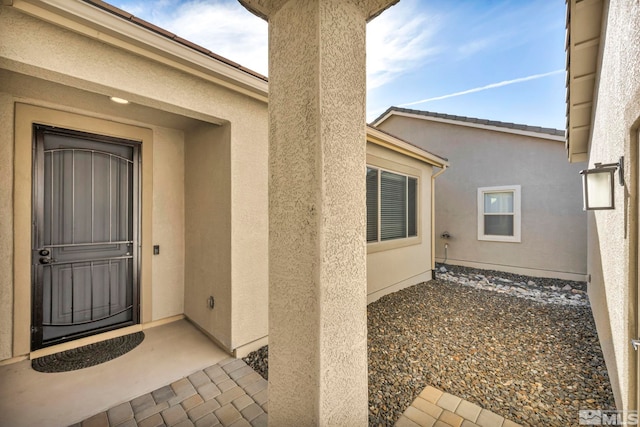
x,y
503,239
392,244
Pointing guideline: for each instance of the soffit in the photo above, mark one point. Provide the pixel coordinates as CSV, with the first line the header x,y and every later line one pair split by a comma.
x,y
584,22
30,89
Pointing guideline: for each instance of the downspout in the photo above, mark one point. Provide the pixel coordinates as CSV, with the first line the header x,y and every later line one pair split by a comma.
x,y
433,219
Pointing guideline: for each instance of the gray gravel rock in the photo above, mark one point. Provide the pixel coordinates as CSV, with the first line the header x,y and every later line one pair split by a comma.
x,y
259,361
536,364
532,362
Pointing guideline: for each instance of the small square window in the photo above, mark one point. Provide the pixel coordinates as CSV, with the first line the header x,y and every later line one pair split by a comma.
x,y
499,215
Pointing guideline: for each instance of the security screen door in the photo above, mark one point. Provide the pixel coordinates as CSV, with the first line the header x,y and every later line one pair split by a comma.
x,y
85,235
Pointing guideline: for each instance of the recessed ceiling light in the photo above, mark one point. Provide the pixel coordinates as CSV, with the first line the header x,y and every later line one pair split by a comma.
x,y
119,100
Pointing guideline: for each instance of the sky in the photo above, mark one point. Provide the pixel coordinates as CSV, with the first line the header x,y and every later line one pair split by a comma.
x,y
490,59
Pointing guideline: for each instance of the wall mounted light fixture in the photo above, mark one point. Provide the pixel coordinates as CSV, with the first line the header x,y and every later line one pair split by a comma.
x,y
598,185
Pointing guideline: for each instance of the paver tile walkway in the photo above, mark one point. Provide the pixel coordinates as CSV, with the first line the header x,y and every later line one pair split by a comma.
x,y
228,393
434,408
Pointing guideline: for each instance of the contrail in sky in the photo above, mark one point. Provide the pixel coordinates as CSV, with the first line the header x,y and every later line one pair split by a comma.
x,y
489,86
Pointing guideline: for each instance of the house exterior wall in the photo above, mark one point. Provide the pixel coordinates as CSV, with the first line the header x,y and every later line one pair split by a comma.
x,y
45,65
6,227
553,240
613,234
168,269
208,226
204,143
397,264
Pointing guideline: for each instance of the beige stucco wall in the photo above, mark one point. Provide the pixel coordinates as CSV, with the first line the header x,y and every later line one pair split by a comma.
x,y
396,264
249,232
43,64
317,221
208,229
553,242
613,235
6,227
168,223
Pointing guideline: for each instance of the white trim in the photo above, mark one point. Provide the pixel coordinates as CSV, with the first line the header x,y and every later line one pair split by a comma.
x,y
245,349
383,139
559,138
517,213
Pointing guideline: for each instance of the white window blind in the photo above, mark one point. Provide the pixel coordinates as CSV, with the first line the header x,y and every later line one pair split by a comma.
x,y
391,205
499,215
372,205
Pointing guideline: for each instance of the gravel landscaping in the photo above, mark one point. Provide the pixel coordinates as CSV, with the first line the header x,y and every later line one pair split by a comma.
x,y
525,348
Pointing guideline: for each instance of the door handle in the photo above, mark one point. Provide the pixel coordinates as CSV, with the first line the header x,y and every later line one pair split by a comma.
x,y
46,260
635,344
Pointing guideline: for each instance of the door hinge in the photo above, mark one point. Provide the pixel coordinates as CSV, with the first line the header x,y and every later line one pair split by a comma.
x,y
635,344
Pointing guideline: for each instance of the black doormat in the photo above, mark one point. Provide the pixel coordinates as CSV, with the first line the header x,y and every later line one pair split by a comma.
x,y
88,355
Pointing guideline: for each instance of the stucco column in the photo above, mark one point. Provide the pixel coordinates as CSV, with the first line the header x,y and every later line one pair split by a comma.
x,y
317,248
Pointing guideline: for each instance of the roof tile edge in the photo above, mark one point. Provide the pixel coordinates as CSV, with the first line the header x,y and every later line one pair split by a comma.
x,y
505,125
161,31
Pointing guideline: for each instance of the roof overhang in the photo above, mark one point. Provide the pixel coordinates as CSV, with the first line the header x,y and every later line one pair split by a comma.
x,y
487,125
383,139
97,23
584,23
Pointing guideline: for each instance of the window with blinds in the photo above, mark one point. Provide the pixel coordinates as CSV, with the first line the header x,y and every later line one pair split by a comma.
x,y
391,205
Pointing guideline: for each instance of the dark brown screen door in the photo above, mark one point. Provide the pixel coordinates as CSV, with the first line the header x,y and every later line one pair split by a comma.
x,y
85,235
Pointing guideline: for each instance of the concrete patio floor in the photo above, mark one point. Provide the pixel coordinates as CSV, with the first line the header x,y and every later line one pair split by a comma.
x,y
168,353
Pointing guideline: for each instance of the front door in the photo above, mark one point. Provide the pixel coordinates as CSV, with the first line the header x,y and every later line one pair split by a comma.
x,y
85,235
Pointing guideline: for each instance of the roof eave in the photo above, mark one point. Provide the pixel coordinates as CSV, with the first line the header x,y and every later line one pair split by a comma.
x,y
524,130
383,139
98,23
583,39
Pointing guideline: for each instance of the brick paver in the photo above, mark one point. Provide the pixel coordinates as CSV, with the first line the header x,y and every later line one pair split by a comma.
x,y
489,419
227,414
231,394
207,398
119,414
434,408
468,411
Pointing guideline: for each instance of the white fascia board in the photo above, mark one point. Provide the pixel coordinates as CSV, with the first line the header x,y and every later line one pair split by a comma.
x,y
96,23
472,125
383,139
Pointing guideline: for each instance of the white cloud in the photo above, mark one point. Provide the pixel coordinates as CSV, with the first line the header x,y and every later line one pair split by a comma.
x,y
225,28
483,88
397,42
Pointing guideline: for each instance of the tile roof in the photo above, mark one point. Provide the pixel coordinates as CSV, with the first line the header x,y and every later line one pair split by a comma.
x,y
507,125
158,30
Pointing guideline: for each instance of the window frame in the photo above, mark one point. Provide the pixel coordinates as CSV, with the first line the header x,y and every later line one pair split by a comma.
x,y
408,239
517,213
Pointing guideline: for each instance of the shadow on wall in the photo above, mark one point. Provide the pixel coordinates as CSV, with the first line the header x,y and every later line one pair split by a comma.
x,y
600,305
